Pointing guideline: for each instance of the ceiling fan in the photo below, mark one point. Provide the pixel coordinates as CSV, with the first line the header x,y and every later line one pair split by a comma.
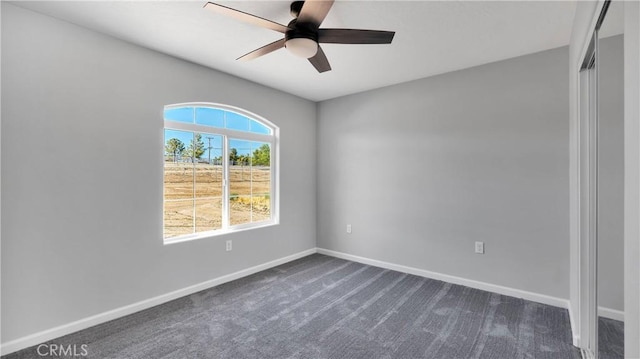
x,y
303,35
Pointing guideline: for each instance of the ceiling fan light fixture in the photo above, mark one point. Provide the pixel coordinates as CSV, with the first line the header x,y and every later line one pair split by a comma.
x,y
302,47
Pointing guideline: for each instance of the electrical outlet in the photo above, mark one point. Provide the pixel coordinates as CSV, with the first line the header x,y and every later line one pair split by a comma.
x,y
229,246
349,228
480,247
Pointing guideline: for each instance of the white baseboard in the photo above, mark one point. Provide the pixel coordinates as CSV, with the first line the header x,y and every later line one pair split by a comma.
x,y
49,334
611,313
518,293
602,312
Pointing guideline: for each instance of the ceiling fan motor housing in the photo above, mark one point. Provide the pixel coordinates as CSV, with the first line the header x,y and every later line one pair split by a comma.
x,y
301,30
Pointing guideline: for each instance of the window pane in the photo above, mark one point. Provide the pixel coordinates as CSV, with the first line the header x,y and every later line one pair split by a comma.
x,y
178,180
239,181
195,149
210,117
183,137
212,149
239,210
261,154
261,208
261,181
208,180
208,214
261,170
181,114
178,218
209,168
237,122
239,168
257,127
178,174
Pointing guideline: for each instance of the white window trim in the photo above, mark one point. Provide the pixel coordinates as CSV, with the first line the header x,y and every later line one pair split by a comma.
x,y
226,134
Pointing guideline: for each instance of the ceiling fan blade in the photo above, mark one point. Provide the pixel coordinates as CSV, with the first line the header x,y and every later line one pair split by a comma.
x,y
354,36
263,50
320,62
314,11
245,17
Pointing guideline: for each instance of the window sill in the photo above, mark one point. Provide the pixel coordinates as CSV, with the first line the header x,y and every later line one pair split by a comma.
x,y
218,232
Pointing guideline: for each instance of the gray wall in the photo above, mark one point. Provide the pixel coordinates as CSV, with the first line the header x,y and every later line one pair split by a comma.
x,y
423,169
611,173
82,174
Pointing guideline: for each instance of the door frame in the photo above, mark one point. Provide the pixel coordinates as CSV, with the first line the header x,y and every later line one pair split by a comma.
x,y
585,20
583,179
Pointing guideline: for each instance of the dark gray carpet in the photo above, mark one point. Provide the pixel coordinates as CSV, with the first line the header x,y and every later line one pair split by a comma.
x,y
610,338
323,307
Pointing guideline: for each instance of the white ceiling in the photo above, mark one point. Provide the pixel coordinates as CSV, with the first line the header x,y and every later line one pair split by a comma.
x,y
432,37
613,23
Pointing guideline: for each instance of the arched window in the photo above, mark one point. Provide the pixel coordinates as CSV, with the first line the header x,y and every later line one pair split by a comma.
x,y
220,171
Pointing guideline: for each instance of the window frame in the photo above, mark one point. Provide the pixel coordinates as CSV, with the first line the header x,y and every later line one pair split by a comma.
x,y
228,135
